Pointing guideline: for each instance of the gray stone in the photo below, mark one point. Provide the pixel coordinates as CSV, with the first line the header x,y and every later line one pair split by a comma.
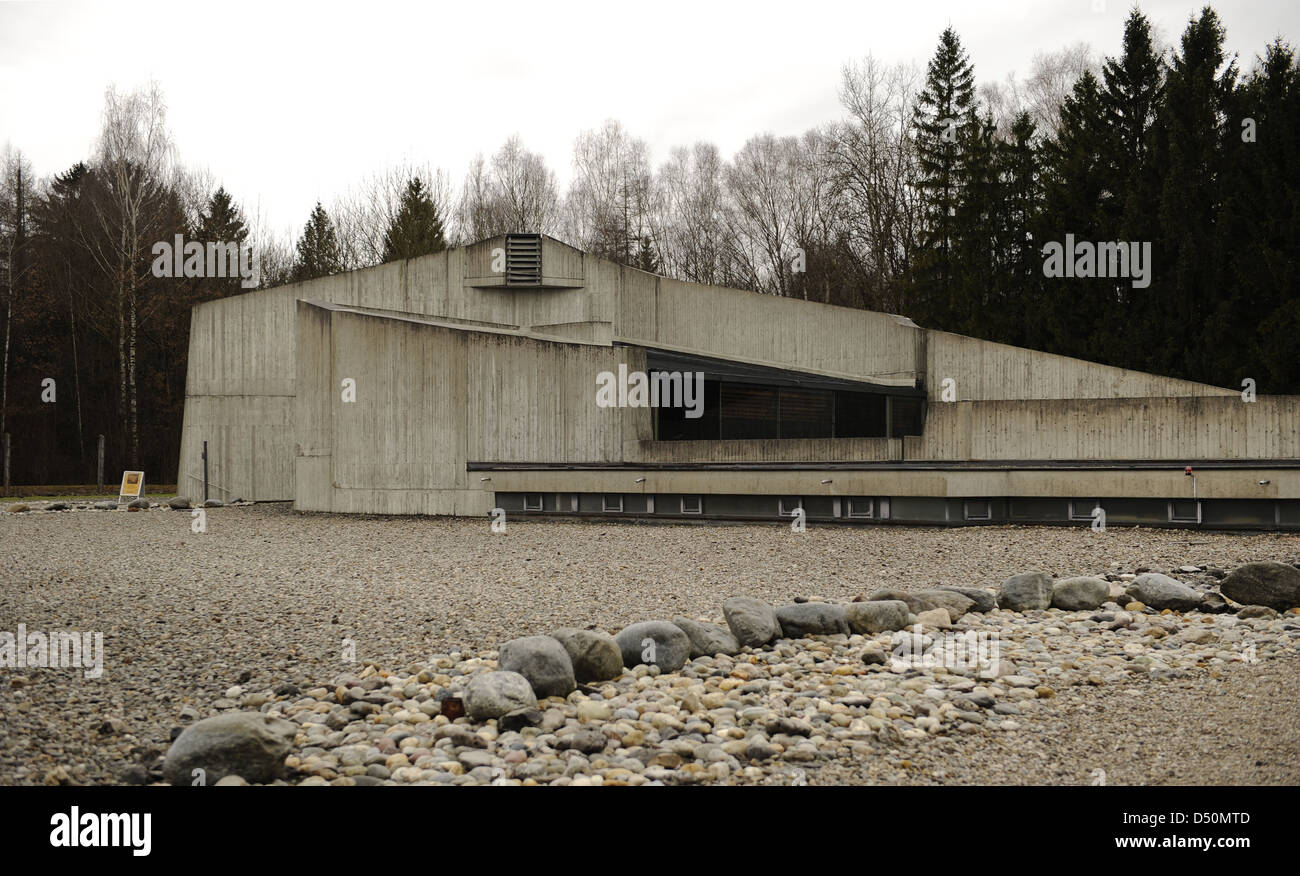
x,y
58,506
252,745
543,661
670,651
752,621
915,604
1080,594
950,600
1160,592
811,619
588,740
707,640
214,503
594,653
519,719
105,506
178,503
138,505
876,617
1276,585
985,601
1028,591
1257,612
493,694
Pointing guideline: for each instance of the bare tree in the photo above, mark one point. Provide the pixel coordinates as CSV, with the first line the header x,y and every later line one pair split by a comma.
x,y
134,164
607,211
16,193
687,220
515,191
874,162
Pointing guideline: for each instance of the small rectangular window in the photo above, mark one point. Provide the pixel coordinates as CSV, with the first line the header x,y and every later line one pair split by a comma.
x,y
861,507
789,505
979,509
1185,511
692,504
610,502
1081,509
532,501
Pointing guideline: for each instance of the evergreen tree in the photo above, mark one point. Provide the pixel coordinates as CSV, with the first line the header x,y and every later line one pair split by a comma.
x,y
222,220
417,229
1189,148
944,120
318,248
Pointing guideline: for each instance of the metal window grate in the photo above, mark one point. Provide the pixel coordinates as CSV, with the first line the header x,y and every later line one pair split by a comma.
x,y
523,259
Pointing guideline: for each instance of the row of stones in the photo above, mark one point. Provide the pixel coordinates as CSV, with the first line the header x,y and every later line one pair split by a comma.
x,y
176,503
534,667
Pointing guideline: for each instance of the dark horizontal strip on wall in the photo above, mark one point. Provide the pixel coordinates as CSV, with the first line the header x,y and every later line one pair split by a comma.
x,y
891,465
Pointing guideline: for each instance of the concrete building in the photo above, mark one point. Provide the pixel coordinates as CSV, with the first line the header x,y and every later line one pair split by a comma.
x,y
468,380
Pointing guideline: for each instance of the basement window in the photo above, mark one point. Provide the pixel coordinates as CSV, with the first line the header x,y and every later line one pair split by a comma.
x,y
692,504
1081,509
611,503
523,259
979,509
860,507
532,501
1185,511
787,506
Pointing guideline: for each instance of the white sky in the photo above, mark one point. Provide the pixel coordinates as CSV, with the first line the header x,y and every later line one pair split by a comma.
x,y
287,103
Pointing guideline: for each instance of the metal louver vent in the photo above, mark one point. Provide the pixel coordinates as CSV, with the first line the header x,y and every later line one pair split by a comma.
x,y
523,259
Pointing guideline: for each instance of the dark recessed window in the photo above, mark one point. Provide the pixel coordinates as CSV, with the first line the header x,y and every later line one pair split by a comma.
x,y
692,504
807,413
1185,511
532,501
1081,509
748,411
859,415
859,506
979,509
611,502
908,415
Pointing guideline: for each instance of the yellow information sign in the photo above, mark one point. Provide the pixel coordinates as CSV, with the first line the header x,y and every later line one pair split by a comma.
x,y
132,485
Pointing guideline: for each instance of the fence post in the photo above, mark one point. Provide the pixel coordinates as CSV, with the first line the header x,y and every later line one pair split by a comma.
x,y
99,480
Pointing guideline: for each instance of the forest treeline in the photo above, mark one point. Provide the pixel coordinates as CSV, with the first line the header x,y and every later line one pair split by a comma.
x,y
932,197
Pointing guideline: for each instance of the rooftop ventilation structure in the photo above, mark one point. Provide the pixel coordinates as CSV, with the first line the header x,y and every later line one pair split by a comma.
x,y
523,259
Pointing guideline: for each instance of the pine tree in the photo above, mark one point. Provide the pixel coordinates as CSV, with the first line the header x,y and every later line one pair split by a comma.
x,y
943,119
1189,151
417,229
222,220
318,248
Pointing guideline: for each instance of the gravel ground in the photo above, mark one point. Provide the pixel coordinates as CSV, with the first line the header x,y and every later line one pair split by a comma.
x,y
267,596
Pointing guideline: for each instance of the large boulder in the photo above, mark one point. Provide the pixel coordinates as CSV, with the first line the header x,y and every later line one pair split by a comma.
x,y
1276,585
668,648
876,616
1028,591
594,653
179,503
949,600
984,600
752,621
915,604
811,619
1081,593
707,640
494,694
543,661
1161,592
252,745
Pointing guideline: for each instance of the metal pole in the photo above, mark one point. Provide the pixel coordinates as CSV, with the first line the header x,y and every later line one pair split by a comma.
x,y
205,471
99,479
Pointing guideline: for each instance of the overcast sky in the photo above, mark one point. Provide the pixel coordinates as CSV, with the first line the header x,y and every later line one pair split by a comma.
x,y
287,103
